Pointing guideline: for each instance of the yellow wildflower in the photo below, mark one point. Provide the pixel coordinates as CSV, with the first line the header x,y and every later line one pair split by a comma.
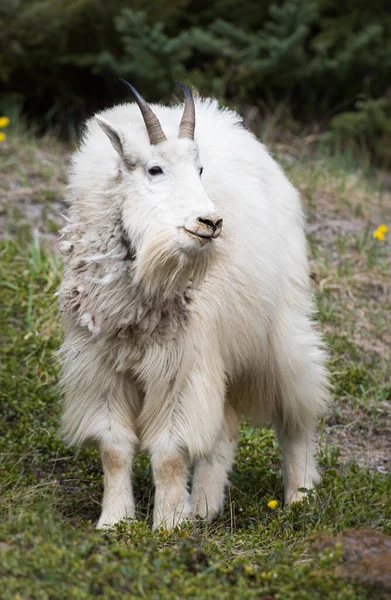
x,y
380,232
2,136
4,121
272,504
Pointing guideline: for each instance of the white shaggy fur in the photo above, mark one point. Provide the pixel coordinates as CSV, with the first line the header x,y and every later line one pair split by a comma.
x,y
168,338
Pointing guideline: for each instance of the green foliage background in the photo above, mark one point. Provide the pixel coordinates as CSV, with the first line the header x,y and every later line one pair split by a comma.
x,y
329,61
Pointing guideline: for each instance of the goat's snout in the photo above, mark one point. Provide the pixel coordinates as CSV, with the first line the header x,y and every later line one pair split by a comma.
x,y
212,226
206,227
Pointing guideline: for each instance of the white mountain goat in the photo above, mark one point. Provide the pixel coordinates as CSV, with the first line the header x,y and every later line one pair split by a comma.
x,y
185,304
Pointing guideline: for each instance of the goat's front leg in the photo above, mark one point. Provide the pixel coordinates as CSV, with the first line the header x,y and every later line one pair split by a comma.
x,y
186,427
118,502
101,407
170,472
192,432
118,445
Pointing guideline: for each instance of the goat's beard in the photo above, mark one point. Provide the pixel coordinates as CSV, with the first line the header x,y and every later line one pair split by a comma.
x,y
163,267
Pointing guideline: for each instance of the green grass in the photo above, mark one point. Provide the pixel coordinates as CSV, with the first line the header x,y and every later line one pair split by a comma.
x,y
50,495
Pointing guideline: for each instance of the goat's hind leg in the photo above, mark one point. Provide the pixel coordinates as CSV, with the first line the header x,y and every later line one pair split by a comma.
x,y
299,466
302,396
211,472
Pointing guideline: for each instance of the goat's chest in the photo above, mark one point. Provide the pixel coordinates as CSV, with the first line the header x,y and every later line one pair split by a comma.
x,y
139,334
153,344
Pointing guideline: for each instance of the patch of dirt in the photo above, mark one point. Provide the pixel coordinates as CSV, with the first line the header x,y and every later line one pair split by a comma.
x,y
361,434
366,557
361,304
32,189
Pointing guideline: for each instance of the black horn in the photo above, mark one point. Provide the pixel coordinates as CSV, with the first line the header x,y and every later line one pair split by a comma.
x,y
187,126
152,123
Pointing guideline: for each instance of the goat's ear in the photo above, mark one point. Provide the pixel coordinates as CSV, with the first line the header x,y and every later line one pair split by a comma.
x,y
114,136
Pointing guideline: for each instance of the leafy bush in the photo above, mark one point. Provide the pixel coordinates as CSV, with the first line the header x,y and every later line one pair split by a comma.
x,y
325,59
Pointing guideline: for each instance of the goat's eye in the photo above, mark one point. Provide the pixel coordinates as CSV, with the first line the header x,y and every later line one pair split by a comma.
x,y
155,171
201,170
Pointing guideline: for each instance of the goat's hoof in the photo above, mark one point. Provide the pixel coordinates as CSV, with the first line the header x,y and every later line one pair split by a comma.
x,y
108,521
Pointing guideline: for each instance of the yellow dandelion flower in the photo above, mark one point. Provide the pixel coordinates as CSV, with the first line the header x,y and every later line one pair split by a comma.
x,y
2,136
4,121
380,232
272,504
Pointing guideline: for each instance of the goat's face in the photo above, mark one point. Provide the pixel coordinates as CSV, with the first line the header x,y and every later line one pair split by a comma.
x,y
166,212
165,196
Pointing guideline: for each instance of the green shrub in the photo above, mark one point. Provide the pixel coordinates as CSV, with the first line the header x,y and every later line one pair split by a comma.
x,y
369,125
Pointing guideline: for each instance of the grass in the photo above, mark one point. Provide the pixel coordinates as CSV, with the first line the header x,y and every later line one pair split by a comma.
x,y
50,494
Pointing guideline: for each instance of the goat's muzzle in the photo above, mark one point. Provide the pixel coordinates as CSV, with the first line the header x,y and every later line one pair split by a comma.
x,y
206,228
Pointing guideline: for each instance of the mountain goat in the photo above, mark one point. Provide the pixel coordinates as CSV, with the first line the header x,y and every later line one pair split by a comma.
x,y
185,303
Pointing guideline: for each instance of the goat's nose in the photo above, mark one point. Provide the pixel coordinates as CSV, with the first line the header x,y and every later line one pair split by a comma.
x,y
214,226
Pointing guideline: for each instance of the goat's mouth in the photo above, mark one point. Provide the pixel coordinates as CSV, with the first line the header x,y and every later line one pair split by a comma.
x,y
198,236
205,236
